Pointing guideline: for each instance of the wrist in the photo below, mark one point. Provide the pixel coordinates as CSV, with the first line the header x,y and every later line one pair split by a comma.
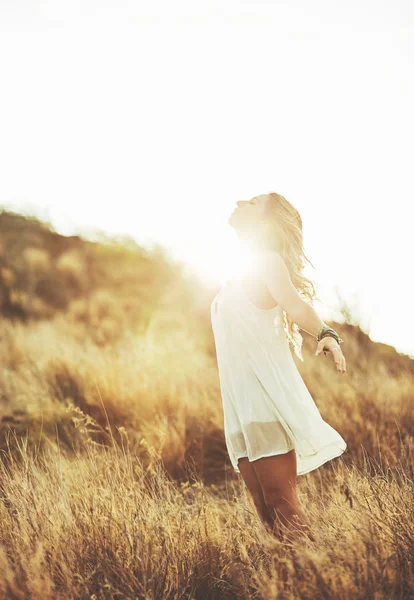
x,y
329,332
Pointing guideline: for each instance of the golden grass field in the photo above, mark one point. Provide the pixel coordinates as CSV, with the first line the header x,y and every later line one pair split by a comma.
x,y
114,477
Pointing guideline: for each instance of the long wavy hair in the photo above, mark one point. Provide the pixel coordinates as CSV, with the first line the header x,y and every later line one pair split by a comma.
x,y
283,232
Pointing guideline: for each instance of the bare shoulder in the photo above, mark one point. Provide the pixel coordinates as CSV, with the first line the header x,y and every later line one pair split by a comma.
x,y
273,271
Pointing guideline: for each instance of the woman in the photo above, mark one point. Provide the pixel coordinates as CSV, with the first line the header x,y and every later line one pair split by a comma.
x,y
273,428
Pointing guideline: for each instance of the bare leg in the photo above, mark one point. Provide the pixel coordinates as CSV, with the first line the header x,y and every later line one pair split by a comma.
x,y
277,477
289,519
252,483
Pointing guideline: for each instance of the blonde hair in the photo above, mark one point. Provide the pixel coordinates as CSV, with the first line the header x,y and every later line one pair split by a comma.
x,y
284,234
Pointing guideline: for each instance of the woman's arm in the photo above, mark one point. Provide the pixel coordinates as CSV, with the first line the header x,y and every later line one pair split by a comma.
x,y
308,319
276,277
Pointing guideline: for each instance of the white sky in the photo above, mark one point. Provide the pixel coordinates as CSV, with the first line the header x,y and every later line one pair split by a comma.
x,y
153,118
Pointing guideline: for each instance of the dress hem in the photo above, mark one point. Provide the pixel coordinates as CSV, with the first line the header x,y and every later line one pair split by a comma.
x,y
273,453
303,471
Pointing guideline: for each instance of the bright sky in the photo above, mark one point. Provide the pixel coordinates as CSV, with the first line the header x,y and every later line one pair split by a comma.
x,y
152,119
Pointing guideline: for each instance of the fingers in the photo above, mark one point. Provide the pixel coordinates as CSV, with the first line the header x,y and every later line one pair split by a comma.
x,y
339,360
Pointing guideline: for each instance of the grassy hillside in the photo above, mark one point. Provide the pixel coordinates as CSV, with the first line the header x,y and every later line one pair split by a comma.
x,y
114,478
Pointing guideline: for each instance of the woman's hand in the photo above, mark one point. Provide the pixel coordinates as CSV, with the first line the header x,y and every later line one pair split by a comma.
x,y
329,344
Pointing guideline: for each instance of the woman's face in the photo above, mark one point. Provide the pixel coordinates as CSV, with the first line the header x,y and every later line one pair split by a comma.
x,y
249,215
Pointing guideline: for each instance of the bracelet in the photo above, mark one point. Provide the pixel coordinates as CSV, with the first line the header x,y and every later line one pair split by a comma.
x,y
329,332
323,329
336,337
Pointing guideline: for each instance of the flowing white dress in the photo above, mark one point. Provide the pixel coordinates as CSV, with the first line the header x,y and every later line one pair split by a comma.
x,y
267,407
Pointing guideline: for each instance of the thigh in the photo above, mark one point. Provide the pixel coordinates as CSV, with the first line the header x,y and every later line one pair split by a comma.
x,y
277,475
248,473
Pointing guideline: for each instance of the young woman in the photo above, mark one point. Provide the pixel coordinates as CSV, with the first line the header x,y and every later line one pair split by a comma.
x,y
273,428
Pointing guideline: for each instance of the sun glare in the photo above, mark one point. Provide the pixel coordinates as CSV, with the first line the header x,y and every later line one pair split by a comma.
x,y
227,260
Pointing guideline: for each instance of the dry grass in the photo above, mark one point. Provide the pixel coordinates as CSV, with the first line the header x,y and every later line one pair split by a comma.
x,y
114,477
115,482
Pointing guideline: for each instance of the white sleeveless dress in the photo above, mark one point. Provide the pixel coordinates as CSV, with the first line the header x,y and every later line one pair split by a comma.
x,y
267,407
